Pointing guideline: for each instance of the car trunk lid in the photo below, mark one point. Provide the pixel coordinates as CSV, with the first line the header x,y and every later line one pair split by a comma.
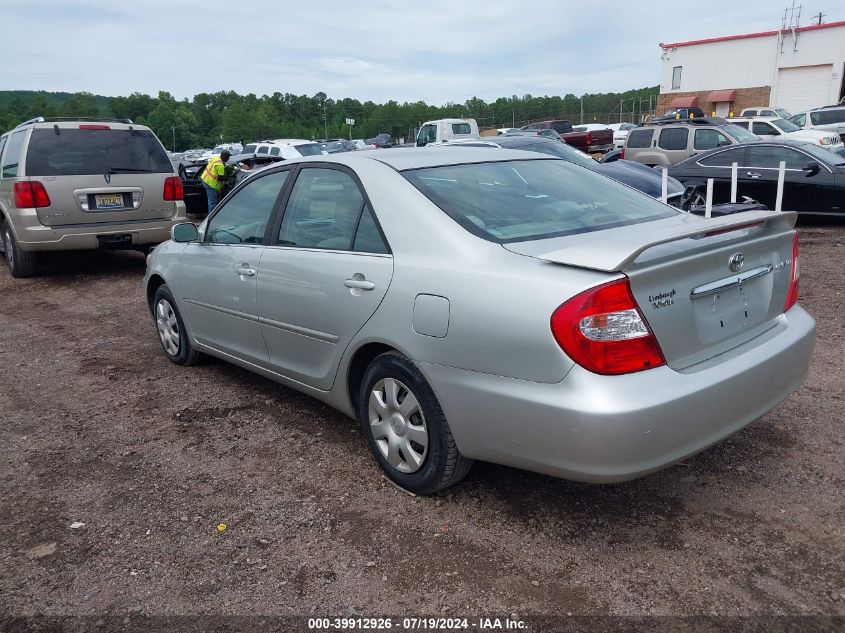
x,y
704,286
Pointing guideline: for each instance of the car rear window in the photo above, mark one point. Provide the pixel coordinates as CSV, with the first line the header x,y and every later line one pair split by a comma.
x,y
312,149
75,152
513,201
640,138
461,128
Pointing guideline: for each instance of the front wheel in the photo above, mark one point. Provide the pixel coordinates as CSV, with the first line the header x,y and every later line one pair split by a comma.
x,y
405,427
171,329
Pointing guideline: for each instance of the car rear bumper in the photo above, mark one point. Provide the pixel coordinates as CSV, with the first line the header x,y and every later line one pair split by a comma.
x,y
31,235
613,428
600,149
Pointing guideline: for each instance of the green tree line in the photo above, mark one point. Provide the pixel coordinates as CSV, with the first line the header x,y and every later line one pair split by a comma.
x,y
208,119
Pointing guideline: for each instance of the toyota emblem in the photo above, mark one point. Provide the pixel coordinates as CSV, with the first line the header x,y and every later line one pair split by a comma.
x,y
736,261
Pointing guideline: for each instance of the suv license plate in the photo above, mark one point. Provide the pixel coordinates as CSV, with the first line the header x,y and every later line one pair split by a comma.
x,y
109,201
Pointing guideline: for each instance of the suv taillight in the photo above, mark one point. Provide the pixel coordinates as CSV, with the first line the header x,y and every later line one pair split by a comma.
x,y
173,189
622,154
792,295
603,330
31,194
589,139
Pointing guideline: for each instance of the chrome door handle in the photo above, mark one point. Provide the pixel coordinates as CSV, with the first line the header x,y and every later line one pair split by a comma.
x,y
752,174
360,284
245,270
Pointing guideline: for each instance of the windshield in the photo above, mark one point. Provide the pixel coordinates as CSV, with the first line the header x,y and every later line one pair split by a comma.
x,y
786,126
740,134
783,113
81,152
554,148
824,155
527,200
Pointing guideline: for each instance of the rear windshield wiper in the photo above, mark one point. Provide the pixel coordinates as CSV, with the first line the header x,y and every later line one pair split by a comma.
x,y
124,170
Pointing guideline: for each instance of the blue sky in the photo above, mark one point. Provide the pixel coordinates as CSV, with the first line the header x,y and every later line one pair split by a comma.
x,y
436,51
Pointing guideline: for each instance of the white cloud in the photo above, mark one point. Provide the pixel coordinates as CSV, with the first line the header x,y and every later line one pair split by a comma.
x,y
437,50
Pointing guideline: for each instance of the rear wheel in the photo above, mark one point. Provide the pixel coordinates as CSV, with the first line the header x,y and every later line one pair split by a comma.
x,y
20,263
405,427
171,329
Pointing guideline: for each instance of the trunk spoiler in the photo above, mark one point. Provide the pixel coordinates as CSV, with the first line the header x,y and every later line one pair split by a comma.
x,y
615,250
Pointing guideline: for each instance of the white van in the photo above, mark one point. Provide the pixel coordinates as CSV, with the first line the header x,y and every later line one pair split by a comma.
x,y
446,130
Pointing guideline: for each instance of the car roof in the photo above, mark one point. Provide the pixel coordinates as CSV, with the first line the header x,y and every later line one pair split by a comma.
x,y
401,159
74,124
754,118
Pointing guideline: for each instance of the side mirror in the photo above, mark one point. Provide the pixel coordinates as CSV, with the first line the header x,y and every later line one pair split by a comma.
x,y
184,232
812,168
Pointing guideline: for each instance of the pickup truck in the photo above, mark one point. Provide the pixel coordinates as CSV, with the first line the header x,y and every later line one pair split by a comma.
x,y
581,137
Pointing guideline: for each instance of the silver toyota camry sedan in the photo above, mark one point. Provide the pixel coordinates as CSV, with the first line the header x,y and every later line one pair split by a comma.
x,y
486,304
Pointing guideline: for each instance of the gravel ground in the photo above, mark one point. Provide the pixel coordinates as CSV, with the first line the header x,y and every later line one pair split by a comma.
x,y
150,459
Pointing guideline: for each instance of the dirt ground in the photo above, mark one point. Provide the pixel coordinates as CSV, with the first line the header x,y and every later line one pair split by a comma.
x,y
99,428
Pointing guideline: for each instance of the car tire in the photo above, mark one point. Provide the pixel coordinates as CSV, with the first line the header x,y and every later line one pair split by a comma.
x,y
20,263
410,439
171,329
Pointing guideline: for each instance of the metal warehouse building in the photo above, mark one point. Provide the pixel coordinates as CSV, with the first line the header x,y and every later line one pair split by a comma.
x,y
792,68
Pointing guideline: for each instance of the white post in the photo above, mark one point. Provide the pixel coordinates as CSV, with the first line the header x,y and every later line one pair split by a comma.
x,y
664,186
781,176
734,169
708,205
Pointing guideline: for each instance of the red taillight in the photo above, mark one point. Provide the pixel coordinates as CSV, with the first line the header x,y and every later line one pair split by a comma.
x,y
93,126
603,330
589,139
622,154
792,295
173,188
31,194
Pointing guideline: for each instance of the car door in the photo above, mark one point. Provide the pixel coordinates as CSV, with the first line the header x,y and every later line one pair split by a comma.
x,y
704,140
715,165
218,274
322,276
761,169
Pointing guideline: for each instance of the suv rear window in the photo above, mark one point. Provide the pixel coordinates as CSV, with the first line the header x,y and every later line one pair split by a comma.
x,y
513,201
461,128
75,152
828,117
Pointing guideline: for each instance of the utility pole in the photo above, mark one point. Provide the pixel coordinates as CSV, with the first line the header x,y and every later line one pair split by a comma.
x,y
582,109
325,123
173,129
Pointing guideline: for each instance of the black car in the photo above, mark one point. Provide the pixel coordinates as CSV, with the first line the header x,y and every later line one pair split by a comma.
x,y
814,181
633,174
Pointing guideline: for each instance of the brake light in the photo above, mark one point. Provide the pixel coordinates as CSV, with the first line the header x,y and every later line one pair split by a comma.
x,y
93,126
31,194
589,139
622,154
792,295
173,189
603,330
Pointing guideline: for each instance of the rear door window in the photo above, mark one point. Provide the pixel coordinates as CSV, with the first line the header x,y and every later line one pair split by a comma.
x,y
85,152
761,128
640,138
13,154
764,156
724,159
323,210
709,139
673,138
461,128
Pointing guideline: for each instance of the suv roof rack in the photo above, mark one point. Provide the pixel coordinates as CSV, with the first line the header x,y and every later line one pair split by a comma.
x,y
704,120
41,119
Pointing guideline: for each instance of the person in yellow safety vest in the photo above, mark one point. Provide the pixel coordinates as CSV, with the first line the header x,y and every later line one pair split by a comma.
x,y
212,178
